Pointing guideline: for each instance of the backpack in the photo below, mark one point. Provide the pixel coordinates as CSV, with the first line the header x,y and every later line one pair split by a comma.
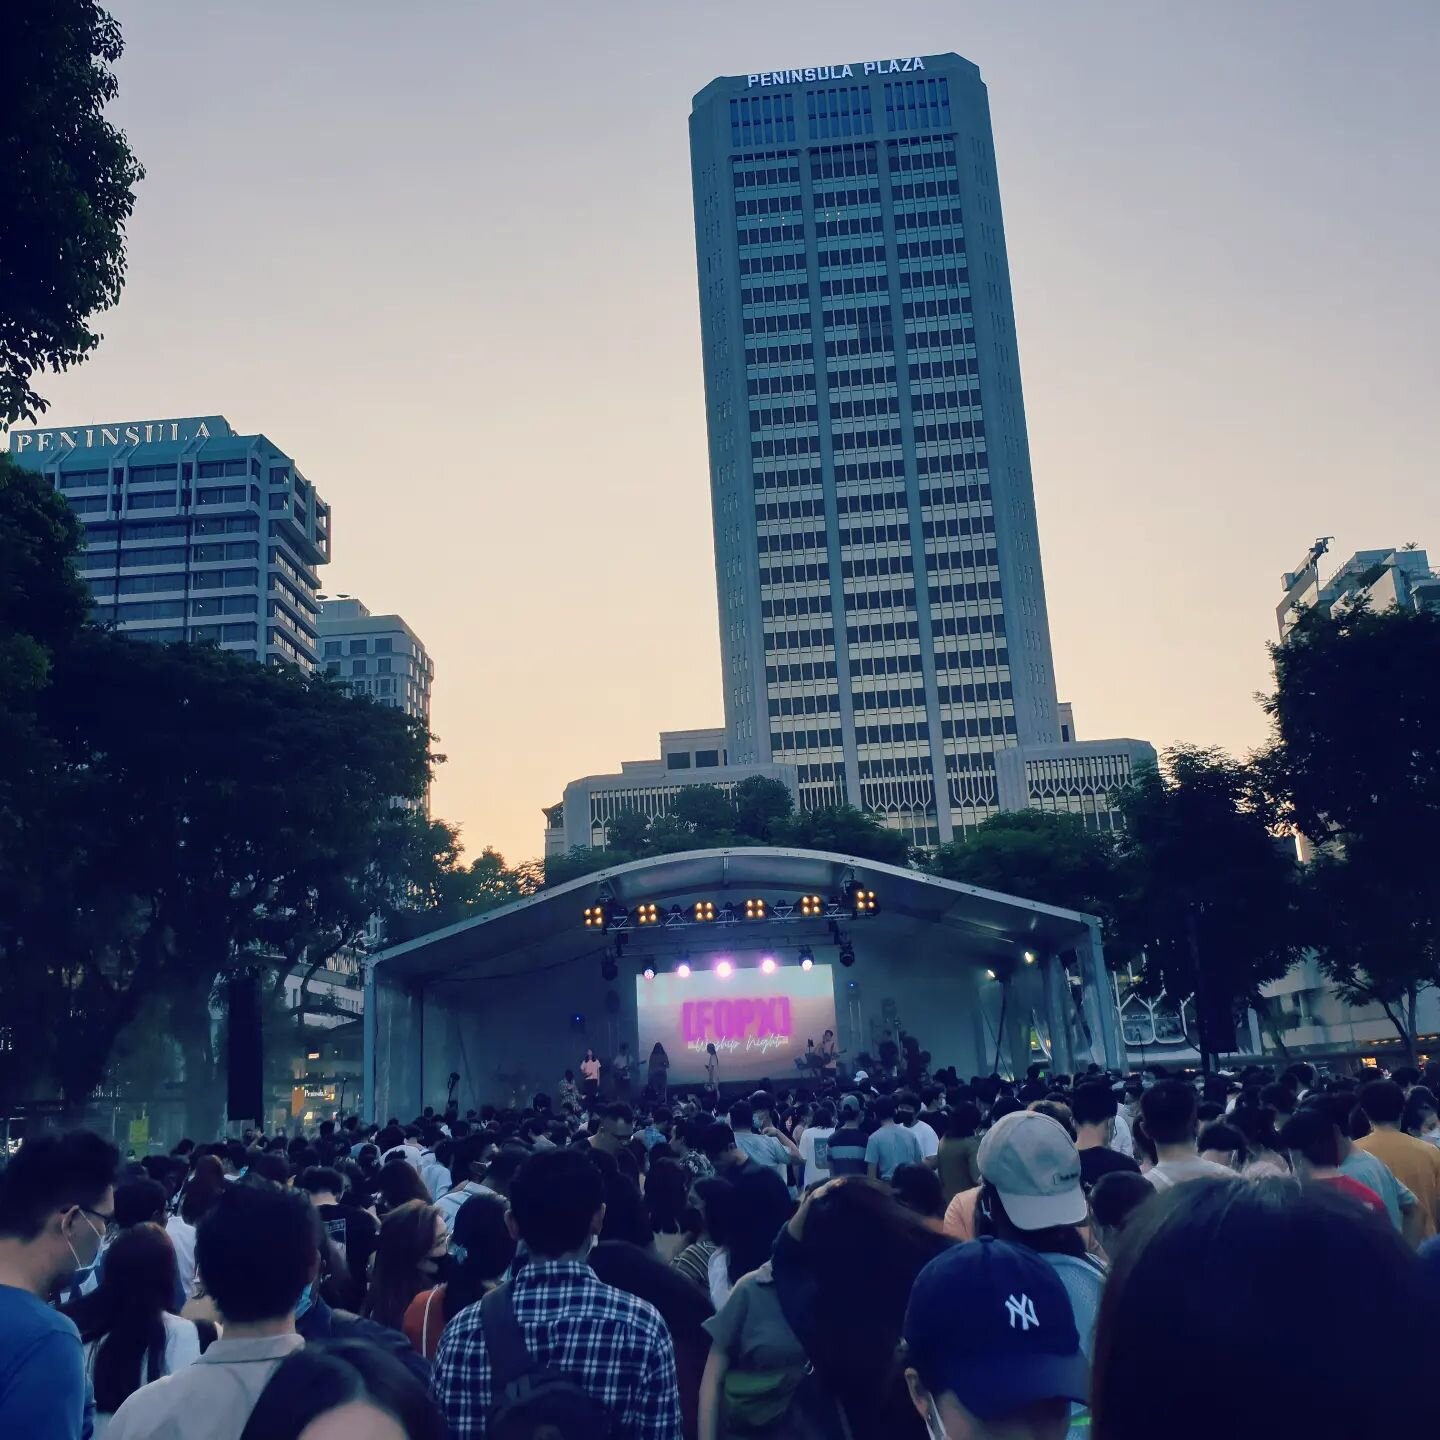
x,y
531,1402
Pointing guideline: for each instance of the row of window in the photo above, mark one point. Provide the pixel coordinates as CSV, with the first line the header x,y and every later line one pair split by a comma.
x,y
805,705
862,375
798,639
786,477
839,199
869,501
950,462
958,594
778,354
876,535
959,525
880,600
894,734
775,324
798,540
783,415
793,606
976,727
748,177
801,672
785,445
971,659
962,559
794,574
793,383
772,264
773,294
895,767
937,339
806,739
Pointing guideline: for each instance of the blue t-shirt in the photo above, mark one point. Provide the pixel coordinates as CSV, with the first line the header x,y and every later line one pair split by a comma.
x,y
42,1370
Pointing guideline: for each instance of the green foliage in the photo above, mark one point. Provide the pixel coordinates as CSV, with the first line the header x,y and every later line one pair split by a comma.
x,y
1355,764
442,890
68,178
1210,903
1050,858
846,831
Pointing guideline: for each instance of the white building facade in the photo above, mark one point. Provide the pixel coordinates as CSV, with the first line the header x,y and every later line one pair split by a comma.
x,y
378,655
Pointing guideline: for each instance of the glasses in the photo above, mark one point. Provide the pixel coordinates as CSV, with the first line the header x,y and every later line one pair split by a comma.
x,y
111,1228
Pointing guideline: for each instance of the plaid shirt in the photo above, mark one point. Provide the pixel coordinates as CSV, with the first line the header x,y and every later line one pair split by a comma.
x,y
613,1345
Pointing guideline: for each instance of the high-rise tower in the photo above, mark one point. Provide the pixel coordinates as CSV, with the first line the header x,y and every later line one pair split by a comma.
x,y
882,609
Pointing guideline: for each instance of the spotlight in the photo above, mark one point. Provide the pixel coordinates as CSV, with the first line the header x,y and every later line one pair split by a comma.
x,y
649,972
756,910
683,970
647,913
595,917
704,911
811,906
989,974
807,958
860,900
1029,957
724,969
767,965
847,954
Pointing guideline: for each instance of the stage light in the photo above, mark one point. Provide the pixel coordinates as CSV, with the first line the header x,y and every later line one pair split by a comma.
x,y
811,907
704,911
595,917
767,965
683,970
847,954
724,969
647,913
989,974
860,901
1029,957
756,910
807,958
649,972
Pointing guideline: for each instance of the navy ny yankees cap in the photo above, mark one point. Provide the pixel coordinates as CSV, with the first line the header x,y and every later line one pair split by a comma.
x,y
991,1323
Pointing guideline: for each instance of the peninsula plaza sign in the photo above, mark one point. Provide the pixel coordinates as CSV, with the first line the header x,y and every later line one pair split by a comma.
x,y
113,437
835,72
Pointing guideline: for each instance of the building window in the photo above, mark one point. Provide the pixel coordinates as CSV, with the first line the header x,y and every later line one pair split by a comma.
x,y
677,762
383,646
359,667
360,647
706,759
382,667
332,649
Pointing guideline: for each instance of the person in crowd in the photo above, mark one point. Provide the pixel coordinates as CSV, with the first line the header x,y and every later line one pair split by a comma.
x,y
1421,1119
139,1200
1256,1122
621,1071
397,1184
481,1251
1093,1107
1309,1140
991,1348
267,1167
256,1253
590,1078
682,1307
712,1068
204,1187
690,1150
1223,1144
56,1205
344,1390
693,1262
846,1150
1401,1206
760,1141
907,1105
467,1171
917,1187
1291,1251
956,1159
569,1092
814,1147
667,1194
413,1241
615,1130
356,1231
656,1131
1032,1196
1414,1163
1114,1199
849,1238
830,1053
658,1073
130,1337
1170,1121
744,1227
891,1144
611,1345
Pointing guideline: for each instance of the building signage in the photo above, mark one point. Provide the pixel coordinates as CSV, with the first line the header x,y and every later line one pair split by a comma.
x,y
132,432
835,72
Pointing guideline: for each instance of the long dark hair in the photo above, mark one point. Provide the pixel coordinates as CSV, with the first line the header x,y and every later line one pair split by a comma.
x,y
747,1219
204,1187
482,1247
137,1286
860,1241
407,1235
398,1182
330,1373
667,1188
1224,1277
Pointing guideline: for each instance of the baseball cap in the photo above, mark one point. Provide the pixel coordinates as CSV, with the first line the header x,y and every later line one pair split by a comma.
x,y
1034,1166
991,1322
850,1105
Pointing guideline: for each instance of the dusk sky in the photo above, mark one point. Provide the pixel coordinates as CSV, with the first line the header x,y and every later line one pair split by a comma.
x,y
443,255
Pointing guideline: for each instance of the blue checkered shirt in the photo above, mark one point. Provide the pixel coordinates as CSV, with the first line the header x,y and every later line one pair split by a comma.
x,y
613,1345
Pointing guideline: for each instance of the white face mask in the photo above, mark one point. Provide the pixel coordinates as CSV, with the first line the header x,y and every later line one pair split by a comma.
x,y
99,1245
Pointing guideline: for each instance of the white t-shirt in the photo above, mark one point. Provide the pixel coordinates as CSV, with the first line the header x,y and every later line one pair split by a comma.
x,y
182,1348
1124,1141
815,1151
929,1140
182,1237
1173,1172
765,1150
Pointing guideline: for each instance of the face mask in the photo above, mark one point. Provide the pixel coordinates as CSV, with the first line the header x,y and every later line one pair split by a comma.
x,y
99,1245
306,1300
759,1120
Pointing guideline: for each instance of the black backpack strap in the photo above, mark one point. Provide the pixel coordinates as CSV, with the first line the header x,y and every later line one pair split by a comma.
x,y
504,1341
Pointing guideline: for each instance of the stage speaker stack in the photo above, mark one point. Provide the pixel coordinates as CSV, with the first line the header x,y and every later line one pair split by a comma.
x,y
244,1098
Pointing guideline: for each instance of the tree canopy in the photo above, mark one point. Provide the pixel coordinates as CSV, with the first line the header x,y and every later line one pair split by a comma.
x,y
68,180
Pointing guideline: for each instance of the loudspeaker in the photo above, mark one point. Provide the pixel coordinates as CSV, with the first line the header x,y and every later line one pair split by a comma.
x,y
244,1097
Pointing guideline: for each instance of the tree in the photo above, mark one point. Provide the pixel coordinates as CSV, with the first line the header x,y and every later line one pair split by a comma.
x,y
1355,765
1210,900
844,830
68,180
762,808
1050,858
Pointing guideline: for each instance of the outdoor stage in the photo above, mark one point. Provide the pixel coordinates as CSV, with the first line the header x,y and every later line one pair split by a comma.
x,y
512,999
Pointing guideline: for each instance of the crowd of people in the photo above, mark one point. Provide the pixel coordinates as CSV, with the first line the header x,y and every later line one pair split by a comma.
x,y
1253,1255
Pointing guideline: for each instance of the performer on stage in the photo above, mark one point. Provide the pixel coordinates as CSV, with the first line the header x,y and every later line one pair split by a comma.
x,y
590,1076
659,1072
712,1069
